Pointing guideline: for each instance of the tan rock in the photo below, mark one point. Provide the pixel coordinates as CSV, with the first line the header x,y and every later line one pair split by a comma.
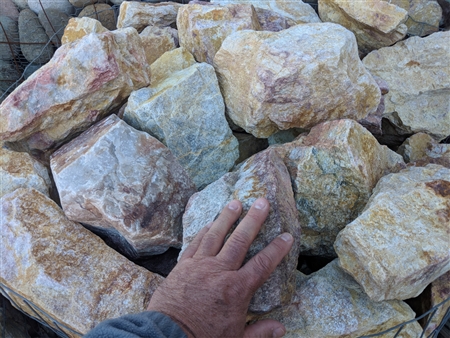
x,y
140,14
202,29
375,23
399,243
80,27
69,276
330,304
156,41
419,84
440,292
20,170
53,105
298,77
104,13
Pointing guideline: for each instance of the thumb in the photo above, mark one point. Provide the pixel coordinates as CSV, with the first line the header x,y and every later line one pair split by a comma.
x,y
267,328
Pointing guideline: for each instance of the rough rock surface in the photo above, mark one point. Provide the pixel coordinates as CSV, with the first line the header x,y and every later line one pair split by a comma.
x,y
298,77
399,244
186,112
169,63
330,304
9,9
33,39
333,171
440,291
10,32
54,23
202,29
125,184
63,6
79,27
66,272
101,12
53,104
263,175
140,14
422,148
419,83
20,170
21,4
375,23
84,3
156,41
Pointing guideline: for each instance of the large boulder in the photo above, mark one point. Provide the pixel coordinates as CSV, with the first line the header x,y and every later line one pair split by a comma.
x,y
298,77
125,185
82,83
263,175
375,23
186,112
62,274
399,243
202,28
333,171
419,83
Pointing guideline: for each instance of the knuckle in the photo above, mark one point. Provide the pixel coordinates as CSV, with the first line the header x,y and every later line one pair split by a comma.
x,y
263,263
239,241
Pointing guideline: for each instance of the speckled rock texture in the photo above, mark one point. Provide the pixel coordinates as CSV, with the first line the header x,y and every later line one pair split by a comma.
x,y
419,83
262,175
101,12
440,291
333,171
330,304
65,272
140,14
156,41
126,185
54,22
20,170
186,112
202,28
375,23
399,243
80,27
53,105
298,77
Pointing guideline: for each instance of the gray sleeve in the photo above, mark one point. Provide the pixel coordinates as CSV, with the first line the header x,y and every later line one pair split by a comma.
x,y
148,324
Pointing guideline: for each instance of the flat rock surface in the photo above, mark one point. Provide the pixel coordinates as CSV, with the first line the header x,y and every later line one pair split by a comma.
x,y
186,112
68,274
399,243
419,83
263,175
126,185
298,77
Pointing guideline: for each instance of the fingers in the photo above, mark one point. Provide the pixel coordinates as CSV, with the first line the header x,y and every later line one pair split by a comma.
x,y
235,248
267,328
213,241
193,246
260,266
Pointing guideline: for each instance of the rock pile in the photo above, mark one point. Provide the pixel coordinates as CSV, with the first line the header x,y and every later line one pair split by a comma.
x,y
130,140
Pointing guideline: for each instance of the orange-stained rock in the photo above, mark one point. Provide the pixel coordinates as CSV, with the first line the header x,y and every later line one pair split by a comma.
x,y
440,292
69,276
80,27
156,41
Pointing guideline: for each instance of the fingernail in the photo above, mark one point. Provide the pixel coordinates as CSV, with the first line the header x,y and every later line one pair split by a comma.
x,y
233,205
287,237
260,204
278,332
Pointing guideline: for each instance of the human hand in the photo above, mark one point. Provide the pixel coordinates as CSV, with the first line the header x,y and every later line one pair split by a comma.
x,y
209,291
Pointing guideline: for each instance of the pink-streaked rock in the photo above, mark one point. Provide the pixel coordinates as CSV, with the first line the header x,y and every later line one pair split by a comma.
x,y
295,78
202,29
440,292
83,82
263,175
68,275
156,41
125,185
399,243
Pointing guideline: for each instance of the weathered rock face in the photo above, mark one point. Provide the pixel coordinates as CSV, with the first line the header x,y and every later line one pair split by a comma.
x,y
298,77
192,126
375,23
419,83
53,104
330,304
333,171
80,27
440,291
21,170
263,175
54,22
140,14
101,12
202,29
156,41
399,244
169,63
66,272
125,184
